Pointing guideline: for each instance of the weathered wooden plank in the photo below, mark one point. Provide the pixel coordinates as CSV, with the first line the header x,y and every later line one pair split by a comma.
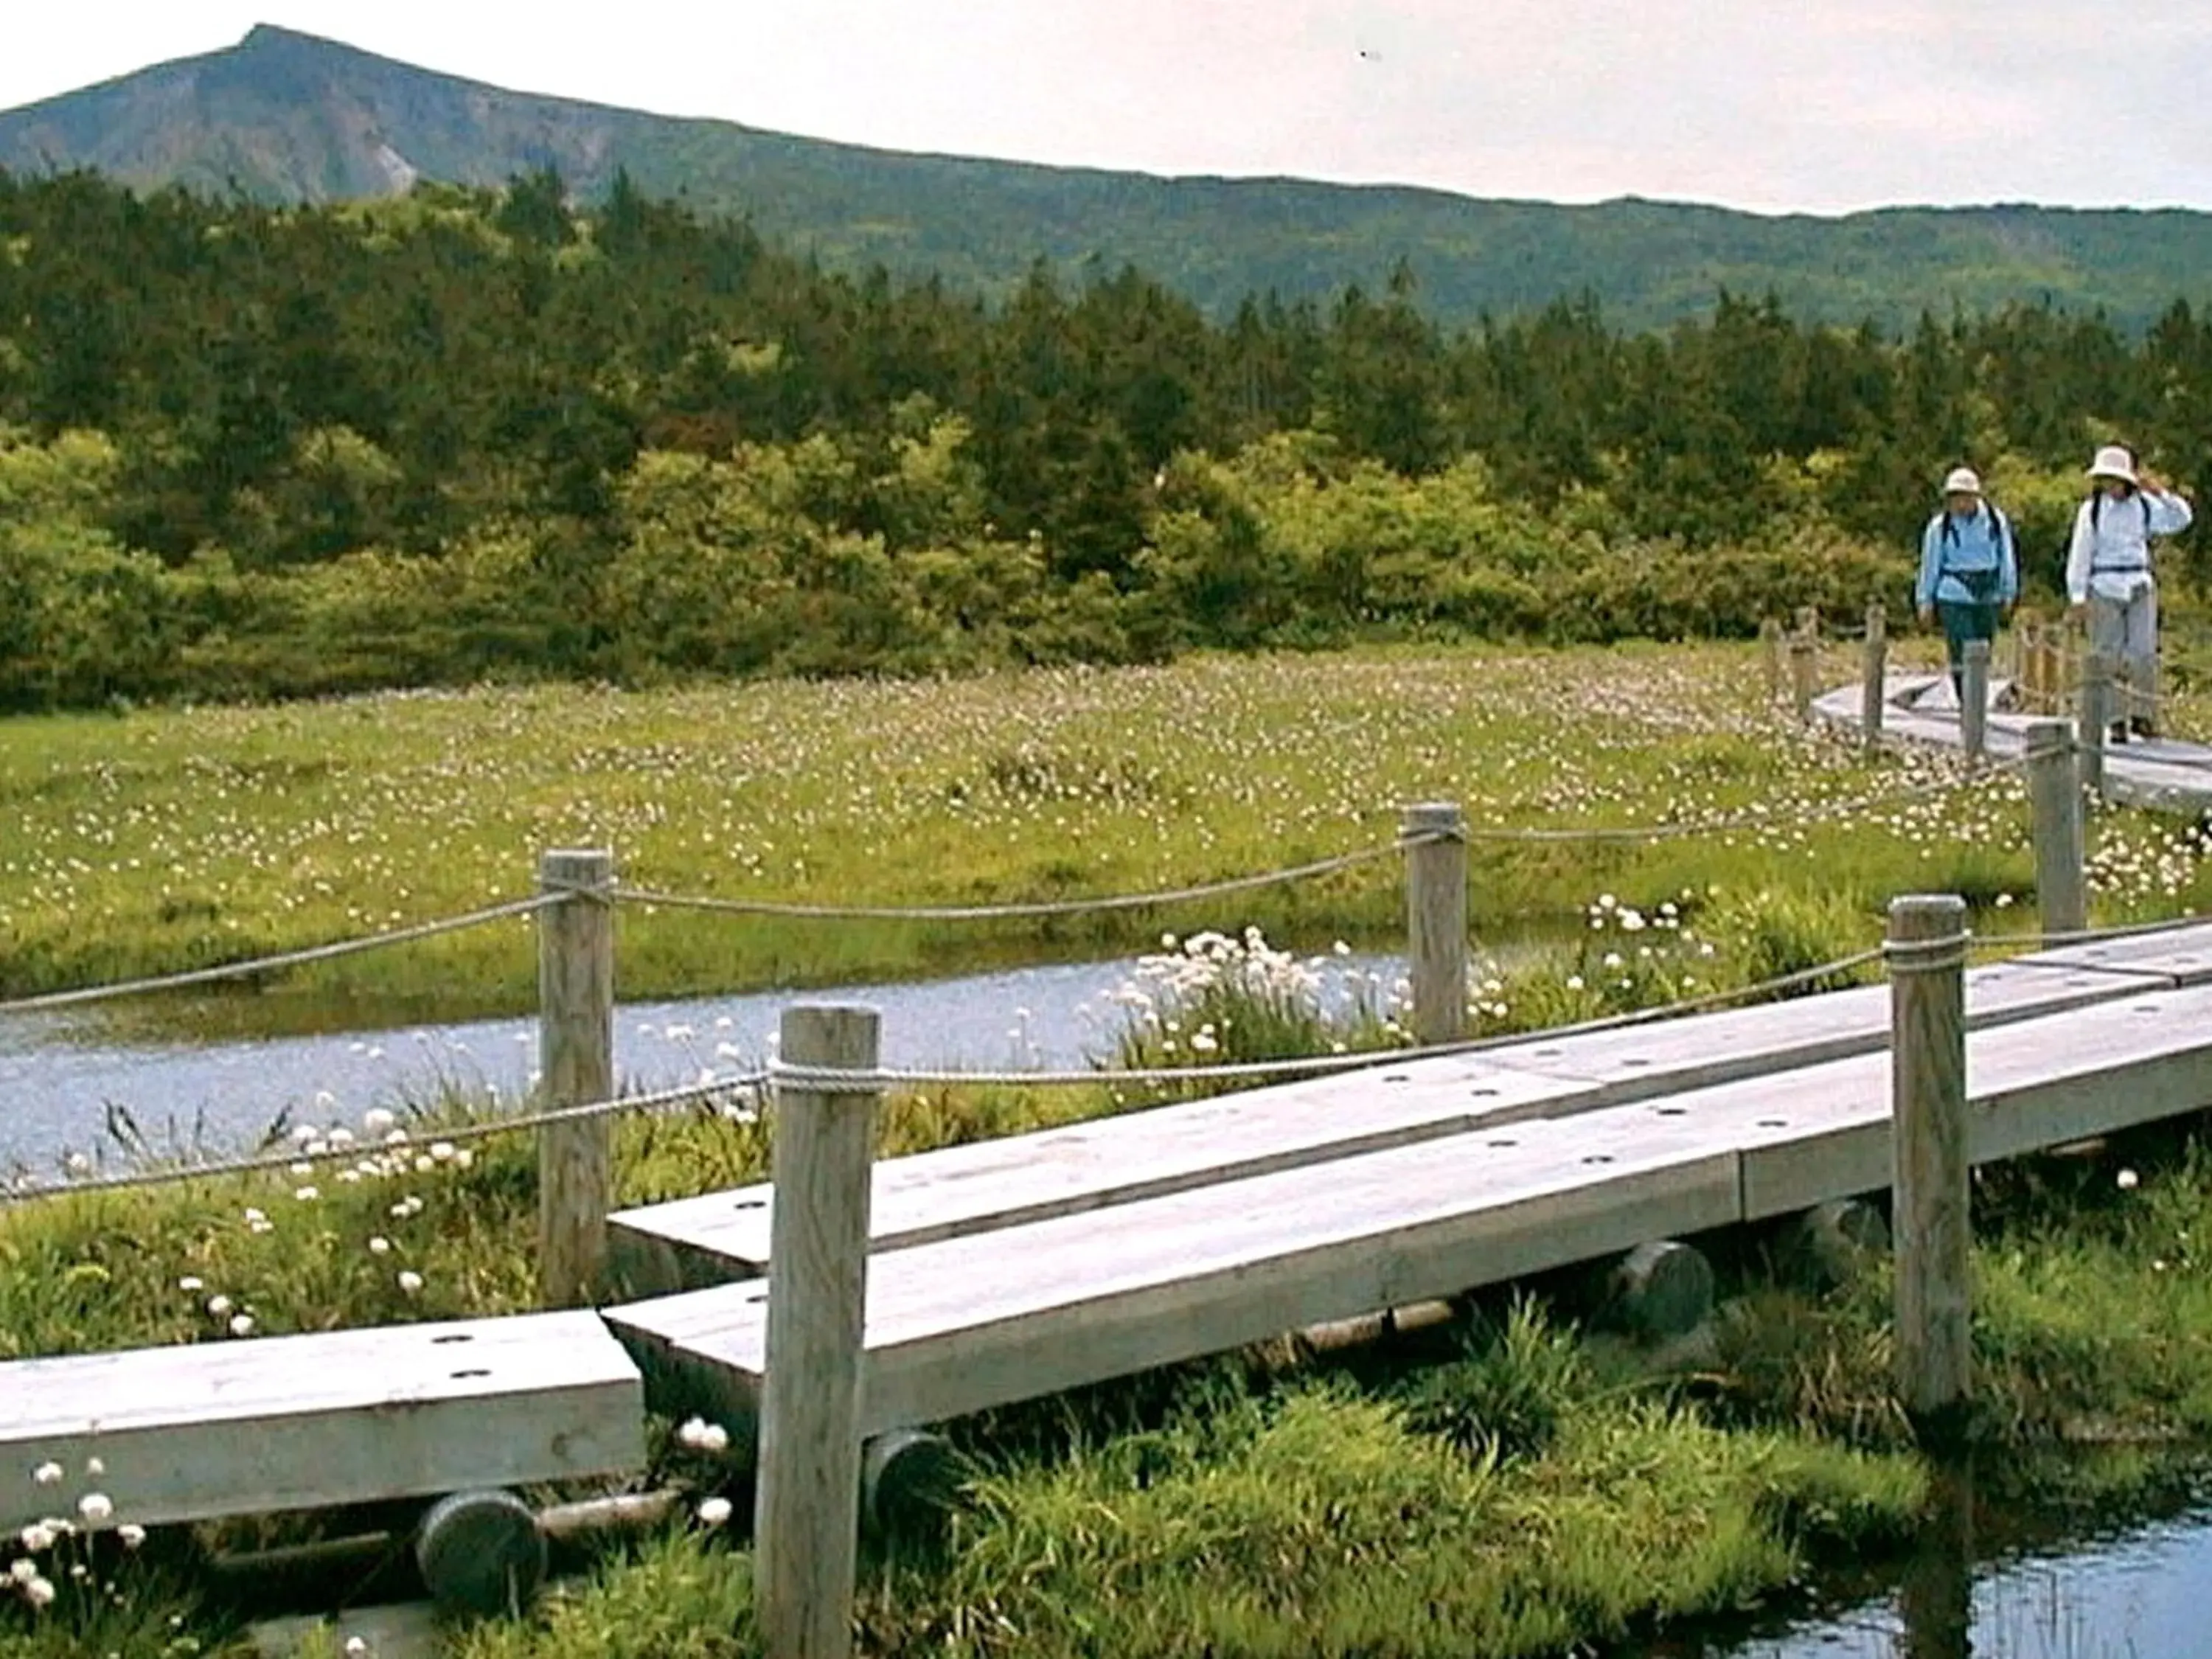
x,y
2182,957
696,1241
965,1323
976,1321
1706,1050
1015,1179
1826,1134
208,1429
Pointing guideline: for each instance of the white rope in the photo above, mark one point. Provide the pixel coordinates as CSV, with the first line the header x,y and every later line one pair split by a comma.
x,y
831,1079
286,959
1037,908
2088,935
1740,822
1926,956
458,1134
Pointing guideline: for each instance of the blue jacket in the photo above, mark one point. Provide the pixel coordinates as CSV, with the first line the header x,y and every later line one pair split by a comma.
x,y
1959,556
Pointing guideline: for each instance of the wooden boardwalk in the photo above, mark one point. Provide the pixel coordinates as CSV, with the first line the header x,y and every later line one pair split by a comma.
x,y
213,1429
717,1236
1014,1269
1027,1265
2162,774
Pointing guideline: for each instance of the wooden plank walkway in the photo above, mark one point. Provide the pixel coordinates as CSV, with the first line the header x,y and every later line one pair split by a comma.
x,y
214,1429
971,1321
716,1237
2164,775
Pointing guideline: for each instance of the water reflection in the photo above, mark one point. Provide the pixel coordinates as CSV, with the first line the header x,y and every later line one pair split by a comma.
x,y
1987,1581
1937,1600
57,1086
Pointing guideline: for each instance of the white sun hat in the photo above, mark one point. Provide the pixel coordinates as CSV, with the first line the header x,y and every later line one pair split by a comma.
x,y
2114,461
1962,481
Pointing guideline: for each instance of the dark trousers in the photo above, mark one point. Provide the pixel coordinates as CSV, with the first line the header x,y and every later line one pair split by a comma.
x,y
1962,623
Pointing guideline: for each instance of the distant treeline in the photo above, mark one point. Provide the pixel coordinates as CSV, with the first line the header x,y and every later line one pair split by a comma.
x,y
247,450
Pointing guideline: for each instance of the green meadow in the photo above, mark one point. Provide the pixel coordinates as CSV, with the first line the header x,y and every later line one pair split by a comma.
x,y
162,840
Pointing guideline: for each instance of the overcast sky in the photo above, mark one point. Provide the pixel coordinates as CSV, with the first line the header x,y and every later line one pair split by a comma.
x,y
1759,104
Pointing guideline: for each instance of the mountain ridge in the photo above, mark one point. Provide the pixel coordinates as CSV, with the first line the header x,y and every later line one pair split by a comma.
x,y
289,116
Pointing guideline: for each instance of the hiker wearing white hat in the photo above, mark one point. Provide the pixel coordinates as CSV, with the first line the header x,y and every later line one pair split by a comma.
x,y
1969,568
2108,575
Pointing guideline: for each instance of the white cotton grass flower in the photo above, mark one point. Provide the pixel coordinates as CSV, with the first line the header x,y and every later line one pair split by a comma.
x,y
94,1467
191,1283
47,1475
131,1534
241,1325
713,1511
380,1245
2126,1181
40,1592
356,1648
40,1536
378,1122
218,1306
410,1280
699,1435
96,1508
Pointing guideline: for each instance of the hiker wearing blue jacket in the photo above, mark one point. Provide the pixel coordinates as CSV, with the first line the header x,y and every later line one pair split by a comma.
x,y
1969,569
2108,575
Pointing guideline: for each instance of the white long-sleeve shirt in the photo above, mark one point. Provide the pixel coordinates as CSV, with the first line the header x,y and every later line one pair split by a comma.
x,y
2110,554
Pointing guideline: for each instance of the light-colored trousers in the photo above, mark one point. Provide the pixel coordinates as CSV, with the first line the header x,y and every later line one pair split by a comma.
x,y
2126,632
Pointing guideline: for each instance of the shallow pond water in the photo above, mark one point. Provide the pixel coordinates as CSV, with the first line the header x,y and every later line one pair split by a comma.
x,y
1999,1582
60,1077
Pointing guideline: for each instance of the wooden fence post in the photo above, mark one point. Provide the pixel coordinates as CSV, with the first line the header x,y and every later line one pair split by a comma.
x,y
1974,699
1770,645
1933,1225
806,1513
1872,701
1436,919
1804,673
2055,797
2095,719
576,1065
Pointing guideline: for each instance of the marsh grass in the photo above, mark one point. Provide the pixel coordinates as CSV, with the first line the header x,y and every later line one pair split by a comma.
x,y
161,840
1516,1493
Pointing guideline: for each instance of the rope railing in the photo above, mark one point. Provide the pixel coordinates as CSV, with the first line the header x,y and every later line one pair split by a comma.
x,y
1320,867
456,1134
2041,941
662,899
1313,870
1106,1077
247,969
831,1079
